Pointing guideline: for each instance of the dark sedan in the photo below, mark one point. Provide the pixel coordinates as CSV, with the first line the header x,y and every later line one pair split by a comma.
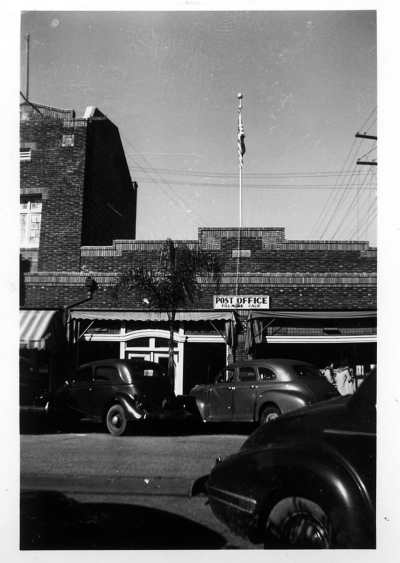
x,y
260,390
306,480
117,392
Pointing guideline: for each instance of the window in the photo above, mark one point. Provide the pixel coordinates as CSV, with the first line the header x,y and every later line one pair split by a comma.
x,y
226,376
84,375
266,374
247,374
25,154
68,140
30,220
106,373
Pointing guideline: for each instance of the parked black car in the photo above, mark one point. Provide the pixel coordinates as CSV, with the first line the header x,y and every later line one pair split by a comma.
x,y
304,480
260,390
117,392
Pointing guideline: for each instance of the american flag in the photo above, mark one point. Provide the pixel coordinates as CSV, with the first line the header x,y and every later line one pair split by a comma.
x,y
241,136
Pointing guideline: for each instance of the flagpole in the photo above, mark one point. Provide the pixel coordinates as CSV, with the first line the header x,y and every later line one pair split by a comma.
x,y
240,96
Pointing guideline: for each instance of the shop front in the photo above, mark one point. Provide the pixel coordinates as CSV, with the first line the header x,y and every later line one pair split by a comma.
x,y
205,341
42,341
200,340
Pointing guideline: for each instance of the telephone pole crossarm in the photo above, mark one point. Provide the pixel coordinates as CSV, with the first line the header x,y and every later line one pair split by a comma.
x,y
366,137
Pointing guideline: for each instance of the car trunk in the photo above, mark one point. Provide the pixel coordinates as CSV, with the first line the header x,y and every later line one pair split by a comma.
x,y
156,393
321,389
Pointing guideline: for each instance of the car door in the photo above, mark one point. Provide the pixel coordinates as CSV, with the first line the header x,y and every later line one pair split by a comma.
x,y
245,394
106,380
81,394
221,396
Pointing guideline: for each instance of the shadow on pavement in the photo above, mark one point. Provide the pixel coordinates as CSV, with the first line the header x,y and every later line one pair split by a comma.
x,y
34,424
52,521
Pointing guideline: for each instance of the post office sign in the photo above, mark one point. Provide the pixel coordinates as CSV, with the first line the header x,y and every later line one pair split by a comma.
x,y
241,301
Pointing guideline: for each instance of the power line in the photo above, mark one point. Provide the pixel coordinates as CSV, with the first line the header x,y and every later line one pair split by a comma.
x,y
351,207
206,174
165,182
324,212
254,186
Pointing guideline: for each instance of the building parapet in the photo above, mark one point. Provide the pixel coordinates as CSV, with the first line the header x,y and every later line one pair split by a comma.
x,y
229,278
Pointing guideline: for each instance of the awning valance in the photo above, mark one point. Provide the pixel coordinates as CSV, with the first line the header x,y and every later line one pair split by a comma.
x,y
150,315
40,330
312,314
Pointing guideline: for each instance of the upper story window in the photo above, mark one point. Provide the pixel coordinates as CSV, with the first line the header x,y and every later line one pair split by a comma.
x,y
68,140
30,220
25,154
25,150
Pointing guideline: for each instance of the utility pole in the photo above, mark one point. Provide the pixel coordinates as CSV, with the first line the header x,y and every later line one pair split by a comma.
x,y
27,69
362,162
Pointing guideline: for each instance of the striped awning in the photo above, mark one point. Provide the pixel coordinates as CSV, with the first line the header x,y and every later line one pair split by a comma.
x,y
40,330
151,315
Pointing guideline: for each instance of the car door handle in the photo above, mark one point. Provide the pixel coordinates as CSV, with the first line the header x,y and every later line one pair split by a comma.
x,y
253,386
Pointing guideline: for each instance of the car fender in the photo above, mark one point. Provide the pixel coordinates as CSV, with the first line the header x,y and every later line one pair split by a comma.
x,y
284,399
203,407
326,478
132,411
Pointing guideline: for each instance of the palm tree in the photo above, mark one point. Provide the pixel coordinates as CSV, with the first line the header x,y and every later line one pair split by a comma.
x,y
173,283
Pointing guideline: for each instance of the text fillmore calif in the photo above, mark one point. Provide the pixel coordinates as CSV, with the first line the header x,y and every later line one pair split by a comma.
x,y
241,301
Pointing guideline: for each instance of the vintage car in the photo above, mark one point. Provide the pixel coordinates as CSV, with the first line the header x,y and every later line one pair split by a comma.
x,y
306,480
117,392
29,384
260,390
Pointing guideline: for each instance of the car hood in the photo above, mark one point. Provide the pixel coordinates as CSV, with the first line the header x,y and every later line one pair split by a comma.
x,y
312,422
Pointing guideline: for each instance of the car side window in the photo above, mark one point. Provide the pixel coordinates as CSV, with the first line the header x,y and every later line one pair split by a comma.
x,y
226,376
84,376
247,374
106,373
266,374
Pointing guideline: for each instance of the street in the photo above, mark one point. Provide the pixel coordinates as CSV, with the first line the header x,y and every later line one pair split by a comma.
x,y
90,490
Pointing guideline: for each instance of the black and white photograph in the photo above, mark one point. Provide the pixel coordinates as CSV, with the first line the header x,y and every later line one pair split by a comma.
x,y
196,285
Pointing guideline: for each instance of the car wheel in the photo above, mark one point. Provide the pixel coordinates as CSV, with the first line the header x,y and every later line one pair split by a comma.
x,y
116,420
297,523
268,414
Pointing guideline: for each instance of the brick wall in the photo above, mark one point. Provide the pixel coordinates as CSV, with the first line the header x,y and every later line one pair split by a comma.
x,y
78,166
330,278
57,172
110,203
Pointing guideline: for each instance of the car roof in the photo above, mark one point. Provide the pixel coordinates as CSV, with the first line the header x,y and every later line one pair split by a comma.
x,y
121,362
277,362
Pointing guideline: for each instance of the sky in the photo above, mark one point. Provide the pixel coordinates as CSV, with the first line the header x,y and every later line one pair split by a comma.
x,y
169,80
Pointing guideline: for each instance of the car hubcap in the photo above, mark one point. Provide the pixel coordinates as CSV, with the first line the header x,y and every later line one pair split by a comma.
x,y
303,531
271,416
116,420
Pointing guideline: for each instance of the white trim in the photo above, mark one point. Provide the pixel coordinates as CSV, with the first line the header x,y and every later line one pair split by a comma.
x,y
153,333
217,338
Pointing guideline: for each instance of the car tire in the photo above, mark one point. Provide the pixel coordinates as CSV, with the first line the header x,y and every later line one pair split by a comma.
x,y
268,414
298,523
116,420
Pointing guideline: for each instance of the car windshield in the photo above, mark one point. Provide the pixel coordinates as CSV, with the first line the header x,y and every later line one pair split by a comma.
x,y
306,371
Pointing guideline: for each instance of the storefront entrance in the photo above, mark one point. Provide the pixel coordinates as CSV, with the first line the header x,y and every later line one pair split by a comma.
x,y
202,363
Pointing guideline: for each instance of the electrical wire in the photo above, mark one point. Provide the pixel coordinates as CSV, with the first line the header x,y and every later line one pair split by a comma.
x,y
166,183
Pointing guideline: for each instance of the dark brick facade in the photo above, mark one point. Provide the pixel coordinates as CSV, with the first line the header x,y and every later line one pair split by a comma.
x,y
78,167
298,276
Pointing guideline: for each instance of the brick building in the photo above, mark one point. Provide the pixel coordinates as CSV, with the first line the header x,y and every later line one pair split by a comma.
x,y
308,300
75,190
